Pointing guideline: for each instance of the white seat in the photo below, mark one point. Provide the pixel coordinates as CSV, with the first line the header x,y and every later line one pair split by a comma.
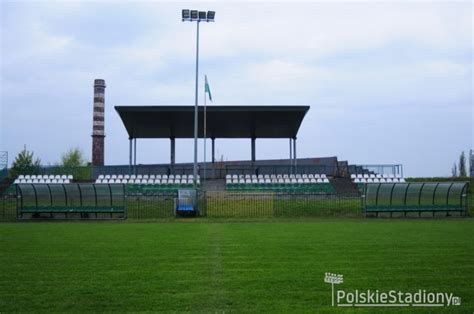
x,y
402,180
64,177
272,176
325,180
152,176
395,180
300,180
27,177
158,176
313,180
137,181
101,176
292,176
254,181
285,176
287,180
268,180
120,177
298,176
67,181
107,176
376,180
356,180
353,176
98,181
17,181
398,176
323,176
382,180
235,181
261,181
254,176
360,176
317,176
21,176
178,176
293,181
372,176
151,181
114,176
35,181
228,176
164,177
133,176
126,176
248,181
171,176
306,180
139,176
54,181
304,176
247,176
391,176
319,180
111,181
281,180
385,176
366,176
378,176
260,176
144,181
310,176
33,176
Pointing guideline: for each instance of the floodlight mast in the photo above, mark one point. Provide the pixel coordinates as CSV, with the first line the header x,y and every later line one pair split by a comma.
x,y
195,16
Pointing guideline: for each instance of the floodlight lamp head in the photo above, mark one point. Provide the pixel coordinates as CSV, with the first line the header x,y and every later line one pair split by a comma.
x,y
210,16
202,15
185,15
194,15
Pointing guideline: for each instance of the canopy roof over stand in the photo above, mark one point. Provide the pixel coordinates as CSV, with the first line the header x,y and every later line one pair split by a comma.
x,y
221,122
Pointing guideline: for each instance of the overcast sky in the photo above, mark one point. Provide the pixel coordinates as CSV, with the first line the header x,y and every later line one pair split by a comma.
x,y
387,83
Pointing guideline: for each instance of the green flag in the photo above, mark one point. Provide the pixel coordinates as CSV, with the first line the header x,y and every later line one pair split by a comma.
x,y
206,88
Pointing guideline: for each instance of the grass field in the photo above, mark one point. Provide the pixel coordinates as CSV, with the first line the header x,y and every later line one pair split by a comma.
x,y
229,265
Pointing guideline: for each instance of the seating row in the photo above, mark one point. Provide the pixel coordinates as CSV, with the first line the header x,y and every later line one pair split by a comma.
x,y
145,176
276,181
275,176
377,180
375,176
147,181
45,177
282,187
42,181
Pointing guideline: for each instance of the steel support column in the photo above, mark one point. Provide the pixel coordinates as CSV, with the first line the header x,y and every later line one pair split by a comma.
x,y
213,149
172,151
291,157
130,158
294,154
253,150
135,156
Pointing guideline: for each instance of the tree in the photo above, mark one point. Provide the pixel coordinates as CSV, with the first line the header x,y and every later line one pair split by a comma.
x,y
25,163
454,171
462,165
73,158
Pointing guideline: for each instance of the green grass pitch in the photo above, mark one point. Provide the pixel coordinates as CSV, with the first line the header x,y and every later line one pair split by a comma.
x,y
203,265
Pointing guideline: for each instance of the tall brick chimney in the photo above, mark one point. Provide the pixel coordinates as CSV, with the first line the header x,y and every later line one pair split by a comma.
x,y
98,124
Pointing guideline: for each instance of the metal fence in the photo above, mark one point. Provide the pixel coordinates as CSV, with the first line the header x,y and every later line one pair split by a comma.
x,y
416,197
224,204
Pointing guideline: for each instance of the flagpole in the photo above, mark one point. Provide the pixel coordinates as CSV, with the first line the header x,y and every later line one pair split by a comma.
x,y
205,113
